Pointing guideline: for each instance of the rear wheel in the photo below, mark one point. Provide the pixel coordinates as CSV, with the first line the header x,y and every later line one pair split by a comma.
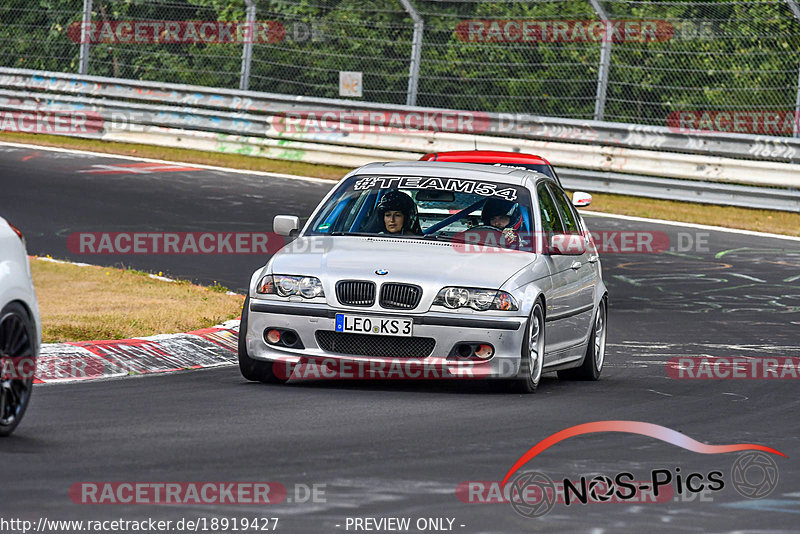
x,y
252,369
530,372
595,356
17,344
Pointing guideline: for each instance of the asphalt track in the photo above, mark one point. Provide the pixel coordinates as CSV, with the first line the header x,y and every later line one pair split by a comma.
x,y
400,449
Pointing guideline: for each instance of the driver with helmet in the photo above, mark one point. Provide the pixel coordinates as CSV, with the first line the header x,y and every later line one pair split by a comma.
x,y
502,215
398,213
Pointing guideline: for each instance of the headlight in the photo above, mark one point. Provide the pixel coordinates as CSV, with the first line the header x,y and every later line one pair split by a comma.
x,y
455,297
286,286
477,299
310,287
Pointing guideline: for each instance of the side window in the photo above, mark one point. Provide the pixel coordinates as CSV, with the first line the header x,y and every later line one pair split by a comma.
x,y
566,211
550,221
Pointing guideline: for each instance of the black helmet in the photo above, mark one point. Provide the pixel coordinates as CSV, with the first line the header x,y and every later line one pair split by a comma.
x,y
395,200
494,207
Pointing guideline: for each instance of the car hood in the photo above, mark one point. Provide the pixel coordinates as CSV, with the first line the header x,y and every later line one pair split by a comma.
x,y
406,260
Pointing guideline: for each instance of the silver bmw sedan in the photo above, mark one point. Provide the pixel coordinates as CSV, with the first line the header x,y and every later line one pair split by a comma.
x,y
431,270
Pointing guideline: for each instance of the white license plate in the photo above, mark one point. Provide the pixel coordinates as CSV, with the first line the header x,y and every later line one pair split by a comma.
x,y
377,326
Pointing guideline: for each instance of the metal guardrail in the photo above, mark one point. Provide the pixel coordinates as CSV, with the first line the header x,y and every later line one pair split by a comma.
x,y
595,156
744,196
523,126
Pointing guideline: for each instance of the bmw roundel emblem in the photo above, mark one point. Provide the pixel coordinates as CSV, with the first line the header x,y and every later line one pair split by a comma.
x,y
381,272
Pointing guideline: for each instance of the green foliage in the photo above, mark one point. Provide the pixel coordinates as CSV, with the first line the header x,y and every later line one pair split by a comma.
x,y
720,55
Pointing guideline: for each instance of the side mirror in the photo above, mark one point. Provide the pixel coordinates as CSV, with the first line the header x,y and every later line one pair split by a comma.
x,y
285,224
581,199
567,244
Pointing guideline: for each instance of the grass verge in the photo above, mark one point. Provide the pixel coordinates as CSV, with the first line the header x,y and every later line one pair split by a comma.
x,y
91,303
777,222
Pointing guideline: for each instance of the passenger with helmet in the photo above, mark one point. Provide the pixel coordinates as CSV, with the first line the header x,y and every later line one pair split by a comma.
x,y
503,216
398,214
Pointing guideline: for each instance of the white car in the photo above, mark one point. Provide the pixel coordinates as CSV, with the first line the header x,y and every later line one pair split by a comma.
x,y
20,328
451,269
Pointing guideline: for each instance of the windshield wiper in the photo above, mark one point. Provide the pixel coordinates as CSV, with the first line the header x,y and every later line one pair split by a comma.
x,y
436,237
351,233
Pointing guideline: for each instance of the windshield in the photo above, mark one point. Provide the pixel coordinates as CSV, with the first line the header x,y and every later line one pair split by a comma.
x,y
445,209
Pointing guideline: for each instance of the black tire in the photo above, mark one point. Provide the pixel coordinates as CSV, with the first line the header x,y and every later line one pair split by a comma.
x,y
594,358
17,341
530,373
252,369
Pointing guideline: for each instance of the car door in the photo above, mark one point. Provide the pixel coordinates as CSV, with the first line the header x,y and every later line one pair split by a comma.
x,y
563,295
584,281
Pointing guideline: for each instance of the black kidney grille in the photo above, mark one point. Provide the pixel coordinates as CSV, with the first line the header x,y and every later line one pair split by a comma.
x,y
356,292
376,346
400,296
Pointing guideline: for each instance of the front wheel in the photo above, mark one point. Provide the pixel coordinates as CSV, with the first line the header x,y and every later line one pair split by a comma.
x,y
17,344
252,369
530,372
595,356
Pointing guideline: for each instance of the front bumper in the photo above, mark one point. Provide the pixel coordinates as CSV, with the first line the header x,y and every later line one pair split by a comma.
x,y
505,334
